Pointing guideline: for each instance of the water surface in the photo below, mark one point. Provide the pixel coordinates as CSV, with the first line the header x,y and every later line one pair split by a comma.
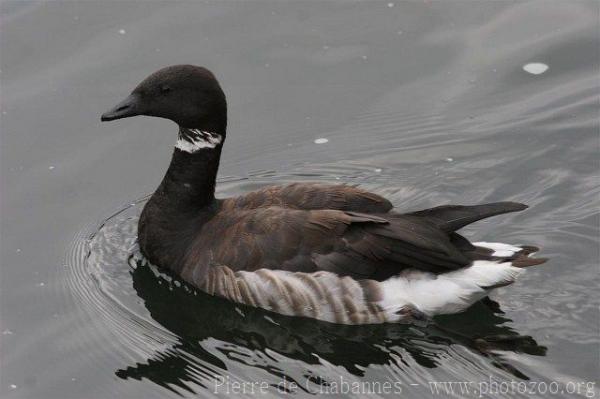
x,y
427,103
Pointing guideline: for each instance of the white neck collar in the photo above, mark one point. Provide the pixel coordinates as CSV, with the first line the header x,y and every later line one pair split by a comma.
x,y
192,140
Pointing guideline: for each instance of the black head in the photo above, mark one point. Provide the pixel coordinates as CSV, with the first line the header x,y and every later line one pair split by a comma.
x,y
186,94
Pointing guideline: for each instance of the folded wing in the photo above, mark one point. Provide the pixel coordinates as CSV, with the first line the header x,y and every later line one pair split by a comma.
x,y
348,243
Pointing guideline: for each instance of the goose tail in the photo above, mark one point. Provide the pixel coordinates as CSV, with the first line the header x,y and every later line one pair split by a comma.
x,y
517,256
494,265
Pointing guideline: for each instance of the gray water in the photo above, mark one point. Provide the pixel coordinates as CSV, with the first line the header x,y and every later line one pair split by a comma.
x,y
424,102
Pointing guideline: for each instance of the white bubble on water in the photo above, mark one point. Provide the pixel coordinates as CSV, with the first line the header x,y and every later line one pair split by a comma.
x,y
535,68
321,140
122,31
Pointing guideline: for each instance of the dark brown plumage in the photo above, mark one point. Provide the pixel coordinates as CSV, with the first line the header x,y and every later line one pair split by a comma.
x,y
321,239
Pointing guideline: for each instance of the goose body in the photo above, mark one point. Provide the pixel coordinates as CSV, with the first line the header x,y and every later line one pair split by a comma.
x,y
331,252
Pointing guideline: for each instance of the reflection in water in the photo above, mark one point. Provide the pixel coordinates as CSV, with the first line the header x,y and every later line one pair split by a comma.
x,y
195,317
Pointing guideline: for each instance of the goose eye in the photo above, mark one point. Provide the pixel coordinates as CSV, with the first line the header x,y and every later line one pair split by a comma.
x,y
165,89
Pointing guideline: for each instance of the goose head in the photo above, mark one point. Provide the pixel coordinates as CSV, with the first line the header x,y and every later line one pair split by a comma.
x,y
188,95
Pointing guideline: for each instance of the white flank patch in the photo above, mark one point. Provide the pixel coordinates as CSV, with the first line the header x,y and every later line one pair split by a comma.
x,y
197,140
446,293
499,248
321,141
535,68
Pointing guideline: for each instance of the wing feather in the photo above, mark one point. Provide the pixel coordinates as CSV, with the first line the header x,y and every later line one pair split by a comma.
x,y
347,243
312,196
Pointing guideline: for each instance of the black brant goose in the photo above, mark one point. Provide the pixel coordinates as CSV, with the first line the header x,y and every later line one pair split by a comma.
x,y
331,252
